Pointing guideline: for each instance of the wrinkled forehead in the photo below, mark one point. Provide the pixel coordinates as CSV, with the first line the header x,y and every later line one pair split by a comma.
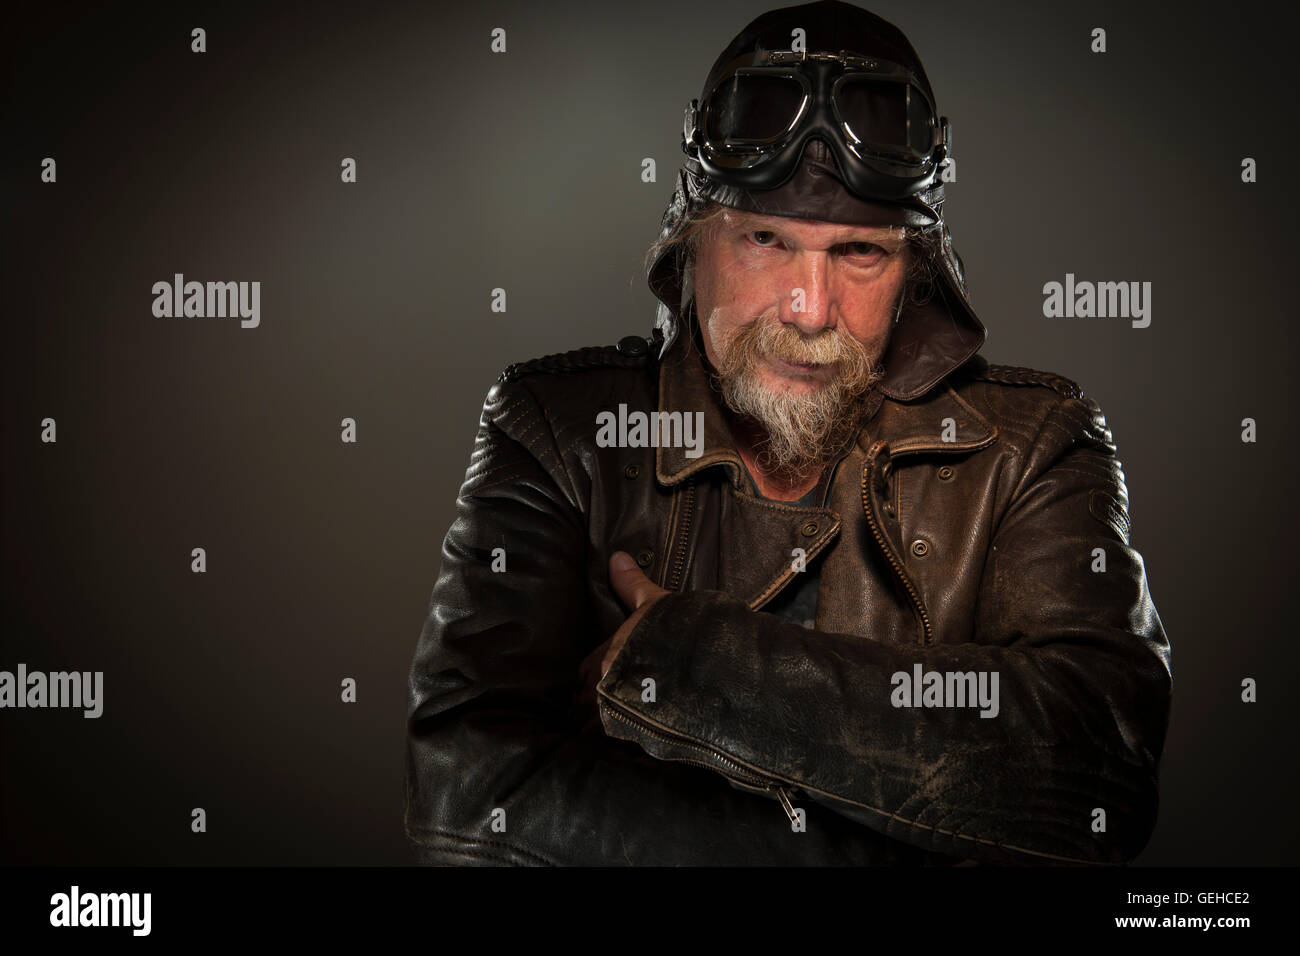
x,y
744,220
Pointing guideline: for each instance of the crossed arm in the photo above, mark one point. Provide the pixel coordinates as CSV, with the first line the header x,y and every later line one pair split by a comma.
x,y
747,703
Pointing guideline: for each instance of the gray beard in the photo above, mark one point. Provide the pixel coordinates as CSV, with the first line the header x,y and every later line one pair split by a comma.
x,y
802,432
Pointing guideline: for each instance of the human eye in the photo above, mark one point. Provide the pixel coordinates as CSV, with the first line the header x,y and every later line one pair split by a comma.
x,y
862,250
763,237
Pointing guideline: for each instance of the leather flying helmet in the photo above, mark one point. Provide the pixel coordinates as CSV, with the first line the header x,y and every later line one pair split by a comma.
x,y
841,127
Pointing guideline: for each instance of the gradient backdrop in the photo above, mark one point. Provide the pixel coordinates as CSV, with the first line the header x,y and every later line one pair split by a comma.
x,y
522,170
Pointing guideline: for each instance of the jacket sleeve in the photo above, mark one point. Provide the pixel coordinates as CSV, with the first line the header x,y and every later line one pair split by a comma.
x,y
503,767
1065,771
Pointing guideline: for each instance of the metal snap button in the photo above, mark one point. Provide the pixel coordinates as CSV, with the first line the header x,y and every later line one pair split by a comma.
x,y
809,528
945,473
632,470
889,508
632,345
920,547
644,558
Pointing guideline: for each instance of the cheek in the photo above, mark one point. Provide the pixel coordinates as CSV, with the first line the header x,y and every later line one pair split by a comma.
x,y
747,293
733,290
872,310
883,294
715,292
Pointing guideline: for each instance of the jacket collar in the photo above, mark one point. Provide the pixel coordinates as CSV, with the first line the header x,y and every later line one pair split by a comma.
x,y
908,427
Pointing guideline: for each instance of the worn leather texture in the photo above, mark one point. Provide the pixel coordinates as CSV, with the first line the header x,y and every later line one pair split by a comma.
x,y
960,532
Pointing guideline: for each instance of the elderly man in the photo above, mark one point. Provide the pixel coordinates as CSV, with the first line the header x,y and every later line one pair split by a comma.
x,y
881,608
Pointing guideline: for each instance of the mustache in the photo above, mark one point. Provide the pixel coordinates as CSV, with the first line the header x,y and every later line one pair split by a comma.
x,y
788,342
829,347
793,346
800,431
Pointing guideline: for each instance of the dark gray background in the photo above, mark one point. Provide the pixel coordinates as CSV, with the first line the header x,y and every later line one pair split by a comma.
x,y
522,170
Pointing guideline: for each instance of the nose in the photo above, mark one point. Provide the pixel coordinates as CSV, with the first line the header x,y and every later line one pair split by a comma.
x,y
809,304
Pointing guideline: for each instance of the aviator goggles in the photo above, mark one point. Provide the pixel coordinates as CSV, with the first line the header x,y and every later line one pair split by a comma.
x,y
753,123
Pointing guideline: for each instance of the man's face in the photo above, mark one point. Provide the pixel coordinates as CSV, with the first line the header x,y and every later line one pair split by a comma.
x,y
796,314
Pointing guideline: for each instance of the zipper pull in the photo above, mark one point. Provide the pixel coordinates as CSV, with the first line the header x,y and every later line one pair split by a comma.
x,y
786,805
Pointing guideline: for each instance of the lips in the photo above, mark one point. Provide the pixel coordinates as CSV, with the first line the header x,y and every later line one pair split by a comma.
x,y
801,366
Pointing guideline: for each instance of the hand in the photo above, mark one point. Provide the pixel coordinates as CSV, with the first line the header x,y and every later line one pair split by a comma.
x,y
638,593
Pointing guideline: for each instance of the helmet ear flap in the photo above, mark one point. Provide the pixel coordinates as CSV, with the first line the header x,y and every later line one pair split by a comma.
x,y
670,275
961,266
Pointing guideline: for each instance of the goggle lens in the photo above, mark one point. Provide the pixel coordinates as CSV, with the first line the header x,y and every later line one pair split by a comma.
x,y
885,114
753,109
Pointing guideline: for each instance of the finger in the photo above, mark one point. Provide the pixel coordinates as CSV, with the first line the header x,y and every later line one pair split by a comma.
x,y
628,581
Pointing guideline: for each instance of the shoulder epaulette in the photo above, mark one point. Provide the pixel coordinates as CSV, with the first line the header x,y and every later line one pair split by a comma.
x,y
1019,375
632,351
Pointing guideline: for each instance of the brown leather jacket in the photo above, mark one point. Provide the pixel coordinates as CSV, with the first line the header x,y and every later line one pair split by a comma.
x,y
963,532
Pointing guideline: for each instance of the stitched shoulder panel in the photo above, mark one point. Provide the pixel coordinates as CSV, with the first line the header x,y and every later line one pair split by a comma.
x,y
1019,375
549,405
633,351
1003,394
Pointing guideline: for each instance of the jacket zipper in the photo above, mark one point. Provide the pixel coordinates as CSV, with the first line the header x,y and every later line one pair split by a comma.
x,y
917,603
768,784
683,537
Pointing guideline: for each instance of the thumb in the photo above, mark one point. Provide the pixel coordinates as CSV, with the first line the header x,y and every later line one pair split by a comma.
x,y
629,583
